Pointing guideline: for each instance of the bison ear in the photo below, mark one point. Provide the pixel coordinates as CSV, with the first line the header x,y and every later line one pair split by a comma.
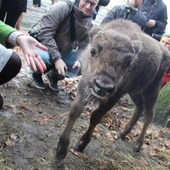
x,y
136,45
94,31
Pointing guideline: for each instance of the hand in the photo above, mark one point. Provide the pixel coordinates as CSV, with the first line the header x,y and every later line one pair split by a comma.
x,y
60,67
151,23
76,64
28,45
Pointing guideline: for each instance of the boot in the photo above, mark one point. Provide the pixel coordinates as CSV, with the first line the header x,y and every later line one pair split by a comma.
x,y
53,78
38,81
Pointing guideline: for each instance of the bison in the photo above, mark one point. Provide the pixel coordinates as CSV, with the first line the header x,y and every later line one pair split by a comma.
x,y
120,59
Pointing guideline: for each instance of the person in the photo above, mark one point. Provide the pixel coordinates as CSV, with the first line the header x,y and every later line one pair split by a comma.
x,y
165,40
156,11
101,3
64,31
10,63
131,11
12,12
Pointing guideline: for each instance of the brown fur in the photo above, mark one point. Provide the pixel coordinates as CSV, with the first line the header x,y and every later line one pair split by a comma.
x,y
119,59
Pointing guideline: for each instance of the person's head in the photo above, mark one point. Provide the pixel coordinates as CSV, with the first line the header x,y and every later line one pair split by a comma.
x,y
87,6
165,40
136,3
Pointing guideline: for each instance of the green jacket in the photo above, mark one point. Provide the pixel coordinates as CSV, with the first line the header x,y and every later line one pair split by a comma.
x,y
5,31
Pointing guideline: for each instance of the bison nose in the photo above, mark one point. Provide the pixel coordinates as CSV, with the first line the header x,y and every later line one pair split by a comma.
x,y
103,88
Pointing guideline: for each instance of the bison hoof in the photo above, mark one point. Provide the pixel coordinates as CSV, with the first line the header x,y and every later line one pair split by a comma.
x,y
81,145
62,149
137,146
61,154
121,135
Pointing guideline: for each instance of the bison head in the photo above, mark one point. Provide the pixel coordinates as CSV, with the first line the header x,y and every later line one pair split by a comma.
x,y
106,60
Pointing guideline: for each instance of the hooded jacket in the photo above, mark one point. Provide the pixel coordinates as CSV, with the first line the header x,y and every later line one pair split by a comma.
x,y
58,40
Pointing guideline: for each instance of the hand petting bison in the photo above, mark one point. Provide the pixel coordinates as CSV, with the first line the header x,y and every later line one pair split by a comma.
x,y
120,59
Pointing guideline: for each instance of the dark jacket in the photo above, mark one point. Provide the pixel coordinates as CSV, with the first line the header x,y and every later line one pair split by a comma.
x,y
156,10
120,11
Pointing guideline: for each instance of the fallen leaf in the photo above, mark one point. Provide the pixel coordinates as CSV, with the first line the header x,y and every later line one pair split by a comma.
x,y
14,135
9,142
79,154
156,148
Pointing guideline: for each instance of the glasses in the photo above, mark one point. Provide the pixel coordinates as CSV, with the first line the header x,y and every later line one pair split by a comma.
x,y
92,4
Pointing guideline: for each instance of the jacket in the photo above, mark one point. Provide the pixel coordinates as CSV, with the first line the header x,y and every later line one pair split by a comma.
x,y
120,11
157,10
58,40
5,30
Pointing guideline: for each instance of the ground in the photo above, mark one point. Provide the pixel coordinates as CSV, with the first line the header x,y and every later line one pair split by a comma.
x,y
32,120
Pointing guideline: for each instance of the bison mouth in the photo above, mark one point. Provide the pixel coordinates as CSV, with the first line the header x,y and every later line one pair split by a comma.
x,y
102,87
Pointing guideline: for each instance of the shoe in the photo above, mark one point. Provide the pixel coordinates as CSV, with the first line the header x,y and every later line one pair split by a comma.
x,y
38,82
52,82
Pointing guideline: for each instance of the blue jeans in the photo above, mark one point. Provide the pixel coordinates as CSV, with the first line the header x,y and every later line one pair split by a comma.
x,y
68,58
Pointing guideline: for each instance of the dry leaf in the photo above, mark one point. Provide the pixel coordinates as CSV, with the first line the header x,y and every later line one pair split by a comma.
x,y
14,135
79,154
9,143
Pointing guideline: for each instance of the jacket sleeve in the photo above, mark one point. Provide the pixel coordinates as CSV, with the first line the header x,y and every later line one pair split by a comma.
x,y
5,31
110,15
81,46
162,21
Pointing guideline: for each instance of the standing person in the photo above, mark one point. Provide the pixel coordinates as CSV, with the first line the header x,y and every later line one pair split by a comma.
x,y
130,11
101,3
12,12
157,14
10,63
165,40
64,31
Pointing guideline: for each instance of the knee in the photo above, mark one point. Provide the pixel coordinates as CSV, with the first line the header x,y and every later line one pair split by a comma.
x,y
16,59
44,55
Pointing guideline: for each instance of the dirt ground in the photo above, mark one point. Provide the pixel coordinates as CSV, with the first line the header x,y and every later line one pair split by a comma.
x,y
32,120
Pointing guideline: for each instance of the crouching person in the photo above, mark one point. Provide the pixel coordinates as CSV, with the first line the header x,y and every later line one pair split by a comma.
x,y
64,31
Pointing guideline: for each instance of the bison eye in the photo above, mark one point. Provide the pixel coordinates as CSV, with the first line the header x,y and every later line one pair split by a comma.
x,y
93,52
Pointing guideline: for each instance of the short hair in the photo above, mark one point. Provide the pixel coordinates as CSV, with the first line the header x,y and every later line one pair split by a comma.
x,y
166,34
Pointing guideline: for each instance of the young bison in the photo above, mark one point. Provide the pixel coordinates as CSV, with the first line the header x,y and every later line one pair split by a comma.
x,y
119,59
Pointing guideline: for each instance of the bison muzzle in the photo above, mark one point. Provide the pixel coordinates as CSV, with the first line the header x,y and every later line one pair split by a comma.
x,y
120,59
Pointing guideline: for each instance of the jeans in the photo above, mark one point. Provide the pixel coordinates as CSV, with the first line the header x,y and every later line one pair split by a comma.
x,y
68,58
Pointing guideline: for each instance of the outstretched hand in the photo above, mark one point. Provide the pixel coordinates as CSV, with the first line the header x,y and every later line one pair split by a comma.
x,y
28,45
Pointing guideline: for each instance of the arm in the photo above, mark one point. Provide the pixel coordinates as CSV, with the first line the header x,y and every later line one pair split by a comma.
x,y
27,44
110,15
159,21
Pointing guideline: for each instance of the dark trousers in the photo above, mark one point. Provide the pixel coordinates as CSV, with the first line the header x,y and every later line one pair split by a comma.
x,y
9,16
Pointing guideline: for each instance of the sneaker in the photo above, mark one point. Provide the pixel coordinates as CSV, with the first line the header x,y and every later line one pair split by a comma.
x,y
38,82
52,83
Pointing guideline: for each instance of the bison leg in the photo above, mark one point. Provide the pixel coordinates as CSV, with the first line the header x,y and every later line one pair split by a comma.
x,y
95,119
75,111
139,103
150,98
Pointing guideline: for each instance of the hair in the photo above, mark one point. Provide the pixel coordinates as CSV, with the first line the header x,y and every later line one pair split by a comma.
x,y
167,34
